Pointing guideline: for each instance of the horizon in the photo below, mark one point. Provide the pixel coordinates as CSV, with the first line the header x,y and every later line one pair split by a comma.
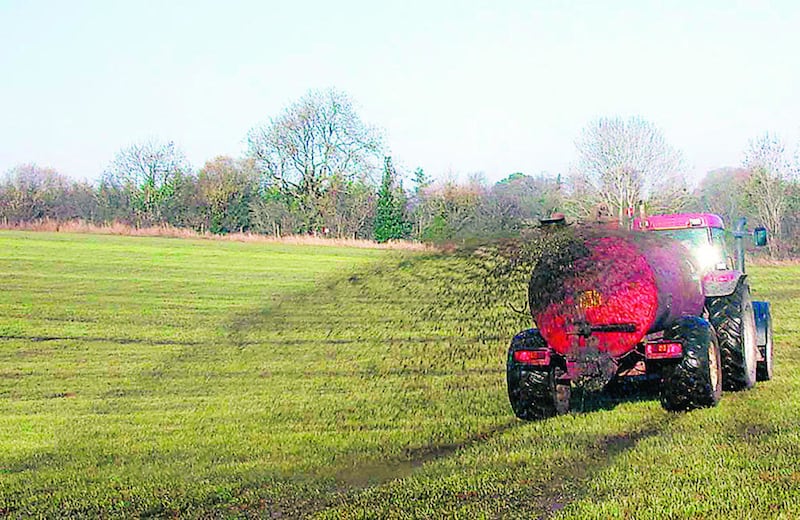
x,y
457,88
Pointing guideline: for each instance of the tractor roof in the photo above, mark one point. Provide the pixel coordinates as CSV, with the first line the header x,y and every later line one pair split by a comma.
x,y
678,221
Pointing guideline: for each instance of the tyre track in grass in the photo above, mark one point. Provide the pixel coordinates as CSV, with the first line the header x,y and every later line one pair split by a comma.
x,y
715,463
520,494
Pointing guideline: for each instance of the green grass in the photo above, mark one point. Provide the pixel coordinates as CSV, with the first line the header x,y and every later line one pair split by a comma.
x,y
143,376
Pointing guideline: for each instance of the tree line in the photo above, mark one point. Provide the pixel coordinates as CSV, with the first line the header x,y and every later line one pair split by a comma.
x,y
317,168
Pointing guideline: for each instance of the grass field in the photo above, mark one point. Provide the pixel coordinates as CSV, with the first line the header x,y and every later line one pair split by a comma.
x,y
169,377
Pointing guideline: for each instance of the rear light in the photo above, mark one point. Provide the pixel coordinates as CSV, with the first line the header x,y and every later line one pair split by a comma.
x,y
695,222
532,357
663,350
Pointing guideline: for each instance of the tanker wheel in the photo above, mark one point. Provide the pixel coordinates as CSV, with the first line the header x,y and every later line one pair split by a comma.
x,y
764,372
696,380
733,318
534,392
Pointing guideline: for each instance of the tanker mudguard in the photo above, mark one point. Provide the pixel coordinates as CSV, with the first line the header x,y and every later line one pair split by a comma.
x,y
761,310
721,282
528,339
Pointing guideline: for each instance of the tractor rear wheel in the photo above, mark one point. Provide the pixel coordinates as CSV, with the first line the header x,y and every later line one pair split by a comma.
x,y
534,392
733,318
696,380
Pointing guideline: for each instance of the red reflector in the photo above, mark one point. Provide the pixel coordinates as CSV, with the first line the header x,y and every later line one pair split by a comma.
x,y
663,350
532,357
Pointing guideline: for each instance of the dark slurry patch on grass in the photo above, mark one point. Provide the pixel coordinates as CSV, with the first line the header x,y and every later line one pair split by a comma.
x,y
366,474
195,379
373,473
95,339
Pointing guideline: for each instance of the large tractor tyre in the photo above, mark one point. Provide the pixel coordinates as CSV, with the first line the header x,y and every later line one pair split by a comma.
x,y
733,319
534,392
764,371
696,380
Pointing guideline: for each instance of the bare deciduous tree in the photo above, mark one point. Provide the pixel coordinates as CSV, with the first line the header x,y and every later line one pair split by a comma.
x,y
150,173
621,162
316,141
347,208
724,191
771,169
30,192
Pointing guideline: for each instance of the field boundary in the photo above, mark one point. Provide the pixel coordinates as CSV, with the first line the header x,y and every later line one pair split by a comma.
x,y
122,229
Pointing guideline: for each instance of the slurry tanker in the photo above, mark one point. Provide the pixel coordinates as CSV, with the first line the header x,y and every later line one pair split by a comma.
x,y
662,300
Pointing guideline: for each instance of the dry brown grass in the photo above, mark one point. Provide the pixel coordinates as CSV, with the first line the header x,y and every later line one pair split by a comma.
x,y
117,228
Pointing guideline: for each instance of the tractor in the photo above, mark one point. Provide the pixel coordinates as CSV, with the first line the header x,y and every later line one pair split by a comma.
x,y
660,299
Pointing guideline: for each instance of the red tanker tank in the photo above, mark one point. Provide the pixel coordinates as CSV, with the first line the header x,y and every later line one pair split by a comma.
x,y
613,287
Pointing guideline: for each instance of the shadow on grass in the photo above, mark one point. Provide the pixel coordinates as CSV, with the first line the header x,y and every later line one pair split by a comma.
x,y
570,482
617,392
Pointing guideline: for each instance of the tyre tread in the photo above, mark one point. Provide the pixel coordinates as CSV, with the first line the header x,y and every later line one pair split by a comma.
x,y
686,384
725,314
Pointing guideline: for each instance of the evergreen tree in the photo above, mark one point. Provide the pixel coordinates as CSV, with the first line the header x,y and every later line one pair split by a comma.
x,y
421,181
390,216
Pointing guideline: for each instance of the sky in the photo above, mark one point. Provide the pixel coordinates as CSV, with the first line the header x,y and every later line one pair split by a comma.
x,y
457,87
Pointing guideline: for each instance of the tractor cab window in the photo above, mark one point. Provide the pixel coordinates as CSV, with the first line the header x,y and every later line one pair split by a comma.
x,y
707,253
719,242
692,238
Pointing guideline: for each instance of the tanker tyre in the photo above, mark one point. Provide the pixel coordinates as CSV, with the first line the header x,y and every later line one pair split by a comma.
x,y
536,394
764,372
733,318
696,380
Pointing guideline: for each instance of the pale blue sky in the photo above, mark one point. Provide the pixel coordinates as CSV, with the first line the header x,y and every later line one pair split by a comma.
x,y
460,86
